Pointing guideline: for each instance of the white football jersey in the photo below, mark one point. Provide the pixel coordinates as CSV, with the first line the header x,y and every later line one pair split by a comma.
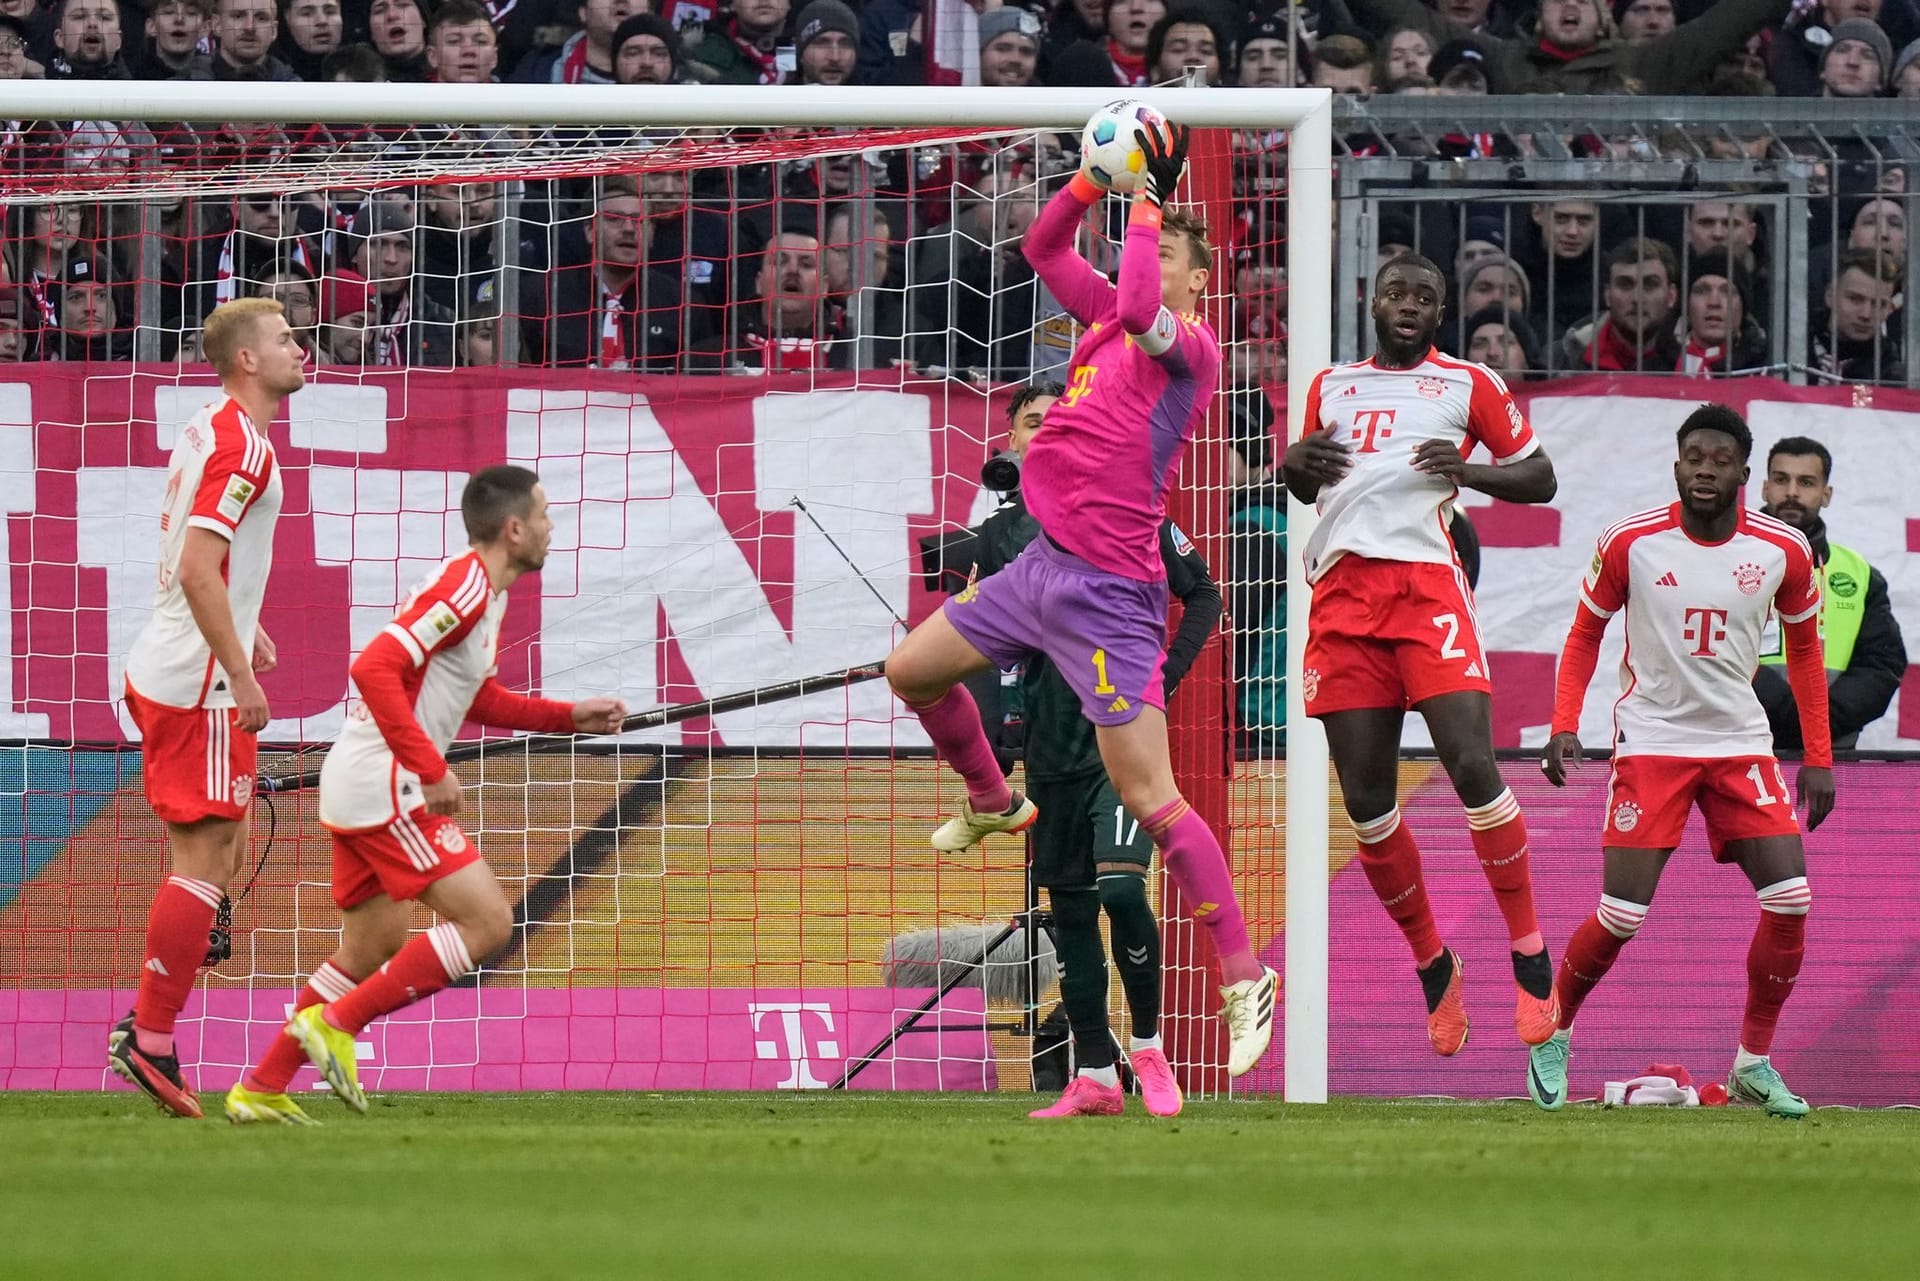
x,y
1695,615
1383,508
223,477
450,628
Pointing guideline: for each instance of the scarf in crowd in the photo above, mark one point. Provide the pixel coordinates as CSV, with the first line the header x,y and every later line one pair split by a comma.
x,y
225,287
765,64
1611,350
613,353
392,348
1698,360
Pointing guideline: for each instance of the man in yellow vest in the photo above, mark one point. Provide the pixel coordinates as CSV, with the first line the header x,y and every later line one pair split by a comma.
x,y
1866,656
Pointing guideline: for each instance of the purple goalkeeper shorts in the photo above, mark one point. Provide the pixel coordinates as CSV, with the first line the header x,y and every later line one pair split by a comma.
x,y
1106,634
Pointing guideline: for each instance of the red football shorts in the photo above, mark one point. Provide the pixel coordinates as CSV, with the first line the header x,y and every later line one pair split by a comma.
x,y
1389,633
398,860
195,762
1740,797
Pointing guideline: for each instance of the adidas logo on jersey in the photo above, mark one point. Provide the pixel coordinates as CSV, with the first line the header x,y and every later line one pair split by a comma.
x,y
1119,704
1353,389
1473,669
1666,580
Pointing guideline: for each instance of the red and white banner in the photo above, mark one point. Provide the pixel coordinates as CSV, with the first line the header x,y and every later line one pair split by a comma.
x,y
681,567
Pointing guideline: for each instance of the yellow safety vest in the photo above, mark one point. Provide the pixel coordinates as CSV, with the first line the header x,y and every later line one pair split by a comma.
x,y
1843,607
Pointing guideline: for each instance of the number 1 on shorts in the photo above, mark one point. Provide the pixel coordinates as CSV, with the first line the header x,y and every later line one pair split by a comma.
x,y
1100,670
1123,834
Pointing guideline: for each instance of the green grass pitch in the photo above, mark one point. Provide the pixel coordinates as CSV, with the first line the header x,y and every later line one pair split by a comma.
x,y
763,1187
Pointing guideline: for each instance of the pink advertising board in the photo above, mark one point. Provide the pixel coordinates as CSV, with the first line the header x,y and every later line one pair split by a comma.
x,y
540,1039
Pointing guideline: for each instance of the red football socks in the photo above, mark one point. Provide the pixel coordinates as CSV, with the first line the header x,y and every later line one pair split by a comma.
x,y
1500,839
1593,949
177,929
426,964
285,1057
1391,860
1773,960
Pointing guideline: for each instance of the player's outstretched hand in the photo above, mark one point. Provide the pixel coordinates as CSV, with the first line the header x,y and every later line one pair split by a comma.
x,y
1815,788
599,715
1317,459
266,655
1440,458
250,701
1166,160
443,794
1563,753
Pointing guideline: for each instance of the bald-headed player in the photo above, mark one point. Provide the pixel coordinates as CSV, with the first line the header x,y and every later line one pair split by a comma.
x,y
192,687
1392,623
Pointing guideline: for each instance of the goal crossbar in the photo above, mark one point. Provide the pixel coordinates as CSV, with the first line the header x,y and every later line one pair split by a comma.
x,y
1307,115
799,106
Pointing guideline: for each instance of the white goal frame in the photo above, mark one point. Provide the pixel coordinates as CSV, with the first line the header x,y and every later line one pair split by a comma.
x,y
1306,113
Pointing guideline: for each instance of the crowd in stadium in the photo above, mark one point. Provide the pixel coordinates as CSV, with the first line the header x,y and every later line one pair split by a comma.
x,y
771,267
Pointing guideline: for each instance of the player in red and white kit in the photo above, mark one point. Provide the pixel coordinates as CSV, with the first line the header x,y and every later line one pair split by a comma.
x,y
1699,580
1392,624
389,798
191,684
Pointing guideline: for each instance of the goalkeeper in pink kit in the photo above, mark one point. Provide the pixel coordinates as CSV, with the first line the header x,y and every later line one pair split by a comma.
x,y
1091,592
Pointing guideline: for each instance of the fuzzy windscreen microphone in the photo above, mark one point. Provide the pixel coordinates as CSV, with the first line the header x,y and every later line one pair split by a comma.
x,y
937,956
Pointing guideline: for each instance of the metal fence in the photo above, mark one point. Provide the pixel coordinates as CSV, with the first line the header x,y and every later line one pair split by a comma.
x,y
1792,221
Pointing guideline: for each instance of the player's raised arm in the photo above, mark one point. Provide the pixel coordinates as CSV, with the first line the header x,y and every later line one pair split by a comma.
x,y
1049,248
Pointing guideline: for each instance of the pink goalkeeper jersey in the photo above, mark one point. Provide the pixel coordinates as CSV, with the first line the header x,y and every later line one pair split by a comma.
x,y
1097,478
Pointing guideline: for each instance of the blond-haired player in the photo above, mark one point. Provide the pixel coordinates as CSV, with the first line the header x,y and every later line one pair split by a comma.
x,y
191,682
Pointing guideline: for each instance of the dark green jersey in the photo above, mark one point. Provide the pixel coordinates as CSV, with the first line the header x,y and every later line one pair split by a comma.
x,y
1059,741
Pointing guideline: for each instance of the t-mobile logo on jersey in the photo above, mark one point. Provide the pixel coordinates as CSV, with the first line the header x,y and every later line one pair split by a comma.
x,y
1705,628
794,1030
1370,425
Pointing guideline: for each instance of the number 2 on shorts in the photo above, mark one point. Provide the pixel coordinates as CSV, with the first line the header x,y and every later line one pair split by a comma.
x,y
1104,686
1450,624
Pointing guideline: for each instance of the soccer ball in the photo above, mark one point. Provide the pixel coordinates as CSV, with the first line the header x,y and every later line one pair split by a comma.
x,y
1109,156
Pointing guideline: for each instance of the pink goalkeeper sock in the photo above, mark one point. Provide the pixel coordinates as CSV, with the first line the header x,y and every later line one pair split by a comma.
x,y
1195,861
952,721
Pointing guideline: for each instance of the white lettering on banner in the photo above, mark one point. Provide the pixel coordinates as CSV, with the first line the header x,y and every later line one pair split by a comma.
x,y
17,494
339,418
635,539
174,405
117,519
794,1046
388,528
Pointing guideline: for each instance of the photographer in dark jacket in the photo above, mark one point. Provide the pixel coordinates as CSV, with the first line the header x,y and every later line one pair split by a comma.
x,y
1866,656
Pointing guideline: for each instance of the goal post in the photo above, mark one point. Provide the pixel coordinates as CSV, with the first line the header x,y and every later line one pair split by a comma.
x,y
658,115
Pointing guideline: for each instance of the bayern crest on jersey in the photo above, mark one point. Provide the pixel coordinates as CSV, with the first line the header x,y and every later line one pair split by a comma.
x,y
1431,388
1748,578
